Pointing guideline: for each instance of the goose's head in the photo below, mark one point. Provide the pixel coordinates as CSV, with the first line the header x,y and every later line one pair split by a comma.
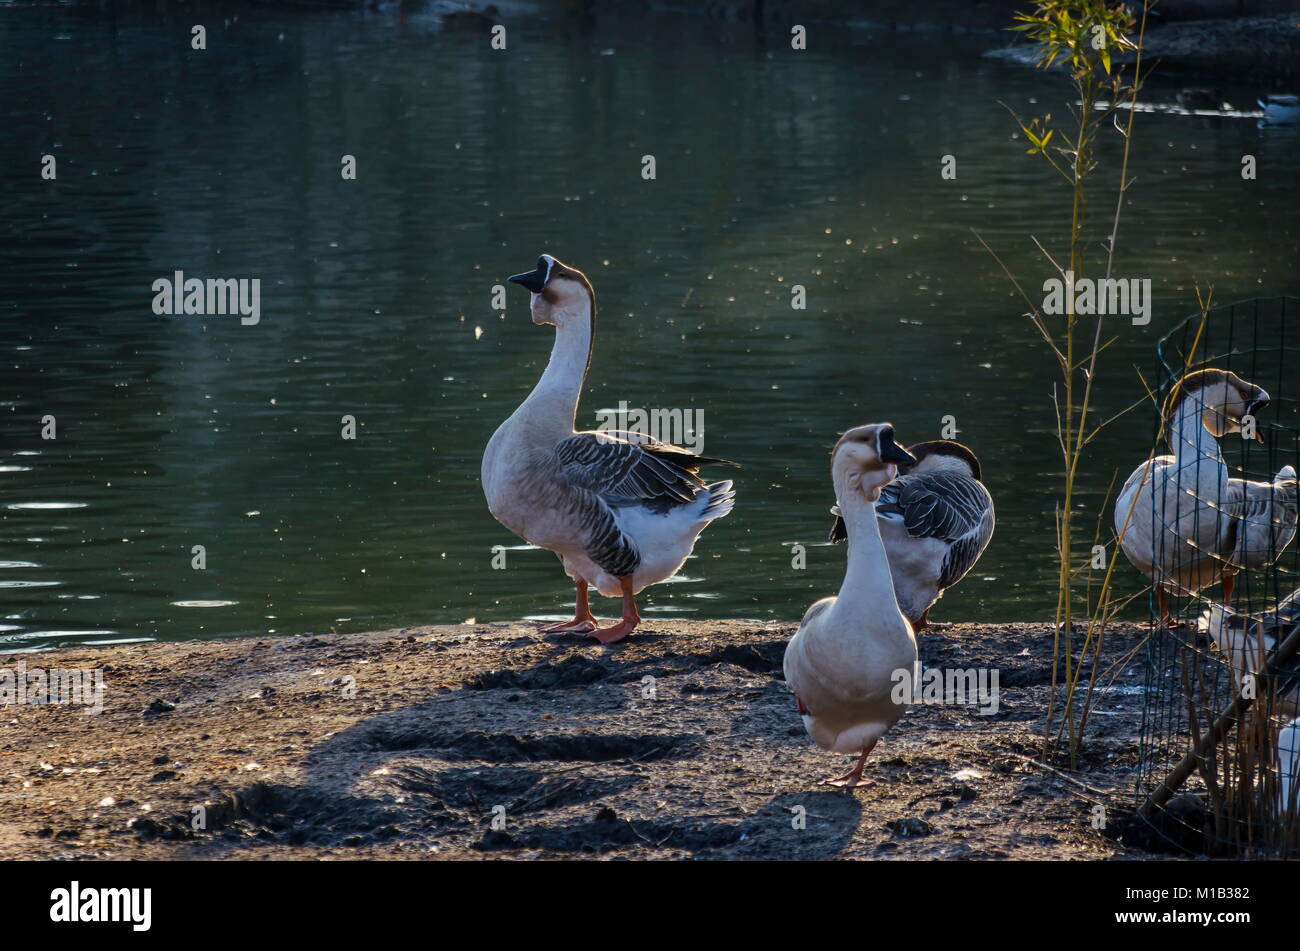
x,y
561,294
1222,397
866,459
942,455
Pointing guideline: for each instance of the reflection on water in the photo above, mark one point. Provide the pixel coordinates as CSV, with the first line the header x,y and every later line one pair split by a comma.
x,y
774,168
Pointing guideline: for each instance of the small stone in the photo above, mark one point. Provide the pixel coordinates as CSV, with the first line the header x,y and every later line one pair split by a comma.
x,y
157,708
912,828
495,839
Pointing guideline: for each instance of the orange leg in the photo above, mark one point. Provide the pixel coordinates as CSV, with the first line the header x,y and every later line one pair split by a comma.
x,y
1162,601
853,776
583,621
1228,581
608,635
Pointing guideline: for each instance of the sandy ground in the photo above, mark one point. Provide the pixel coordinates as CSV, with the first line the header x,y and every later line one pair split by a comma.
x,y
415,743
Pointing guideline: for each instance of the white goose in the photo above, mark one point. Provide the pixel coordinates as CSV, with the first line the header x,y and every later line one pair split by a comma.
x,y
621,510
842,662
1249,639
936,519
1288,770
1182,530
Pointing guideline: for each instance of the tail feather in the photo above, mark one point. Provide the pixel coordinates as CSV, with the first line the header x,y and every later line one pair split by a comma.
x,y
721,500
684,458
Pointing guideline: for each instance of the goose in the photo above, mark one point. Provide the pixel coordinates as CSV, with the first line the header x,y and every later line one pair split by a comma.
x,y
1281,108
1288,755
1248,639
1201,99
936,519
842,662
1182,531
621,510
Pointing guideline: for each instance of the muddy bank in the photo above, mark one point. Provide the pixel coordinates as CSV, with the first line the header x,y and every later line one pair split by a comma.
x,y
403,744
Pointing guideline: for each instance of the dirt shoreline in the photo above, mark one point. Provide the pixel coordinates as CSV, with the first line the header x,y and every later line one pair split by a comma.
x,y
449,722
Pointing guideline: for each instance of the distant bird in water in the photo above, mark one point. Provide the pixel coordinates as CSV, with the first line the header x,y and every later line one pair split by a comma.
x,y
1281,109
470,20
842,663
936,519
622,510
1204,99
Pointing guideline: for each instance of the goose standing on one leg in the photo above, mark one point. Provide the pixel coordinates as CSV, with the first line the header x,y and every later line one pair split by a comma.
x,y
841,663
936,519
1182,530
621,510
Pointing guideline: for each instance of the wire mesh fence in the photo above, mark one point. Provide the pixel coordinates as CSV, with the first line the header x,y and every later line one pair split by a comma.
x,y
1212,520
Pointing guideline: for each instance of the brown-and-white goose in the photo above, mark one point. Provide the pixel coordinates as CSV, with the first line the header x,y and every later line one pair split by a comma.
x,y
842,663
1183,531
936,519
620,509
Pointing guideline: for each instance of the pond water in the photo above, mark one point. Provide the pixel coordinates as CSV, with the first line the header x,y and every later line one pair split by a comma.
x,y
773,168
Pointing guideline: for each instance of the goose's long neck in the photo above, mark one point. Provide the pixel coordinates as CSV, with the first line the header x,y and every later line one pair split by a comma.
x,y
868,584
552,407
1188,437
1199,459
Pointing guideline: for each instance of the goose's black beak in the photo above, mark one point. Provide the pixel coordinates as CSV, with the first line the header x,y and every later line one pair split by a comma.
x,y
534,280
891,451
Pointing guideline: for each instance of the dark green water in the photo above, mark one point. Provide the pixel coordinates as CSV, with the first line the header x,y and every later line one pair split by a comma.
x,y
774,168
